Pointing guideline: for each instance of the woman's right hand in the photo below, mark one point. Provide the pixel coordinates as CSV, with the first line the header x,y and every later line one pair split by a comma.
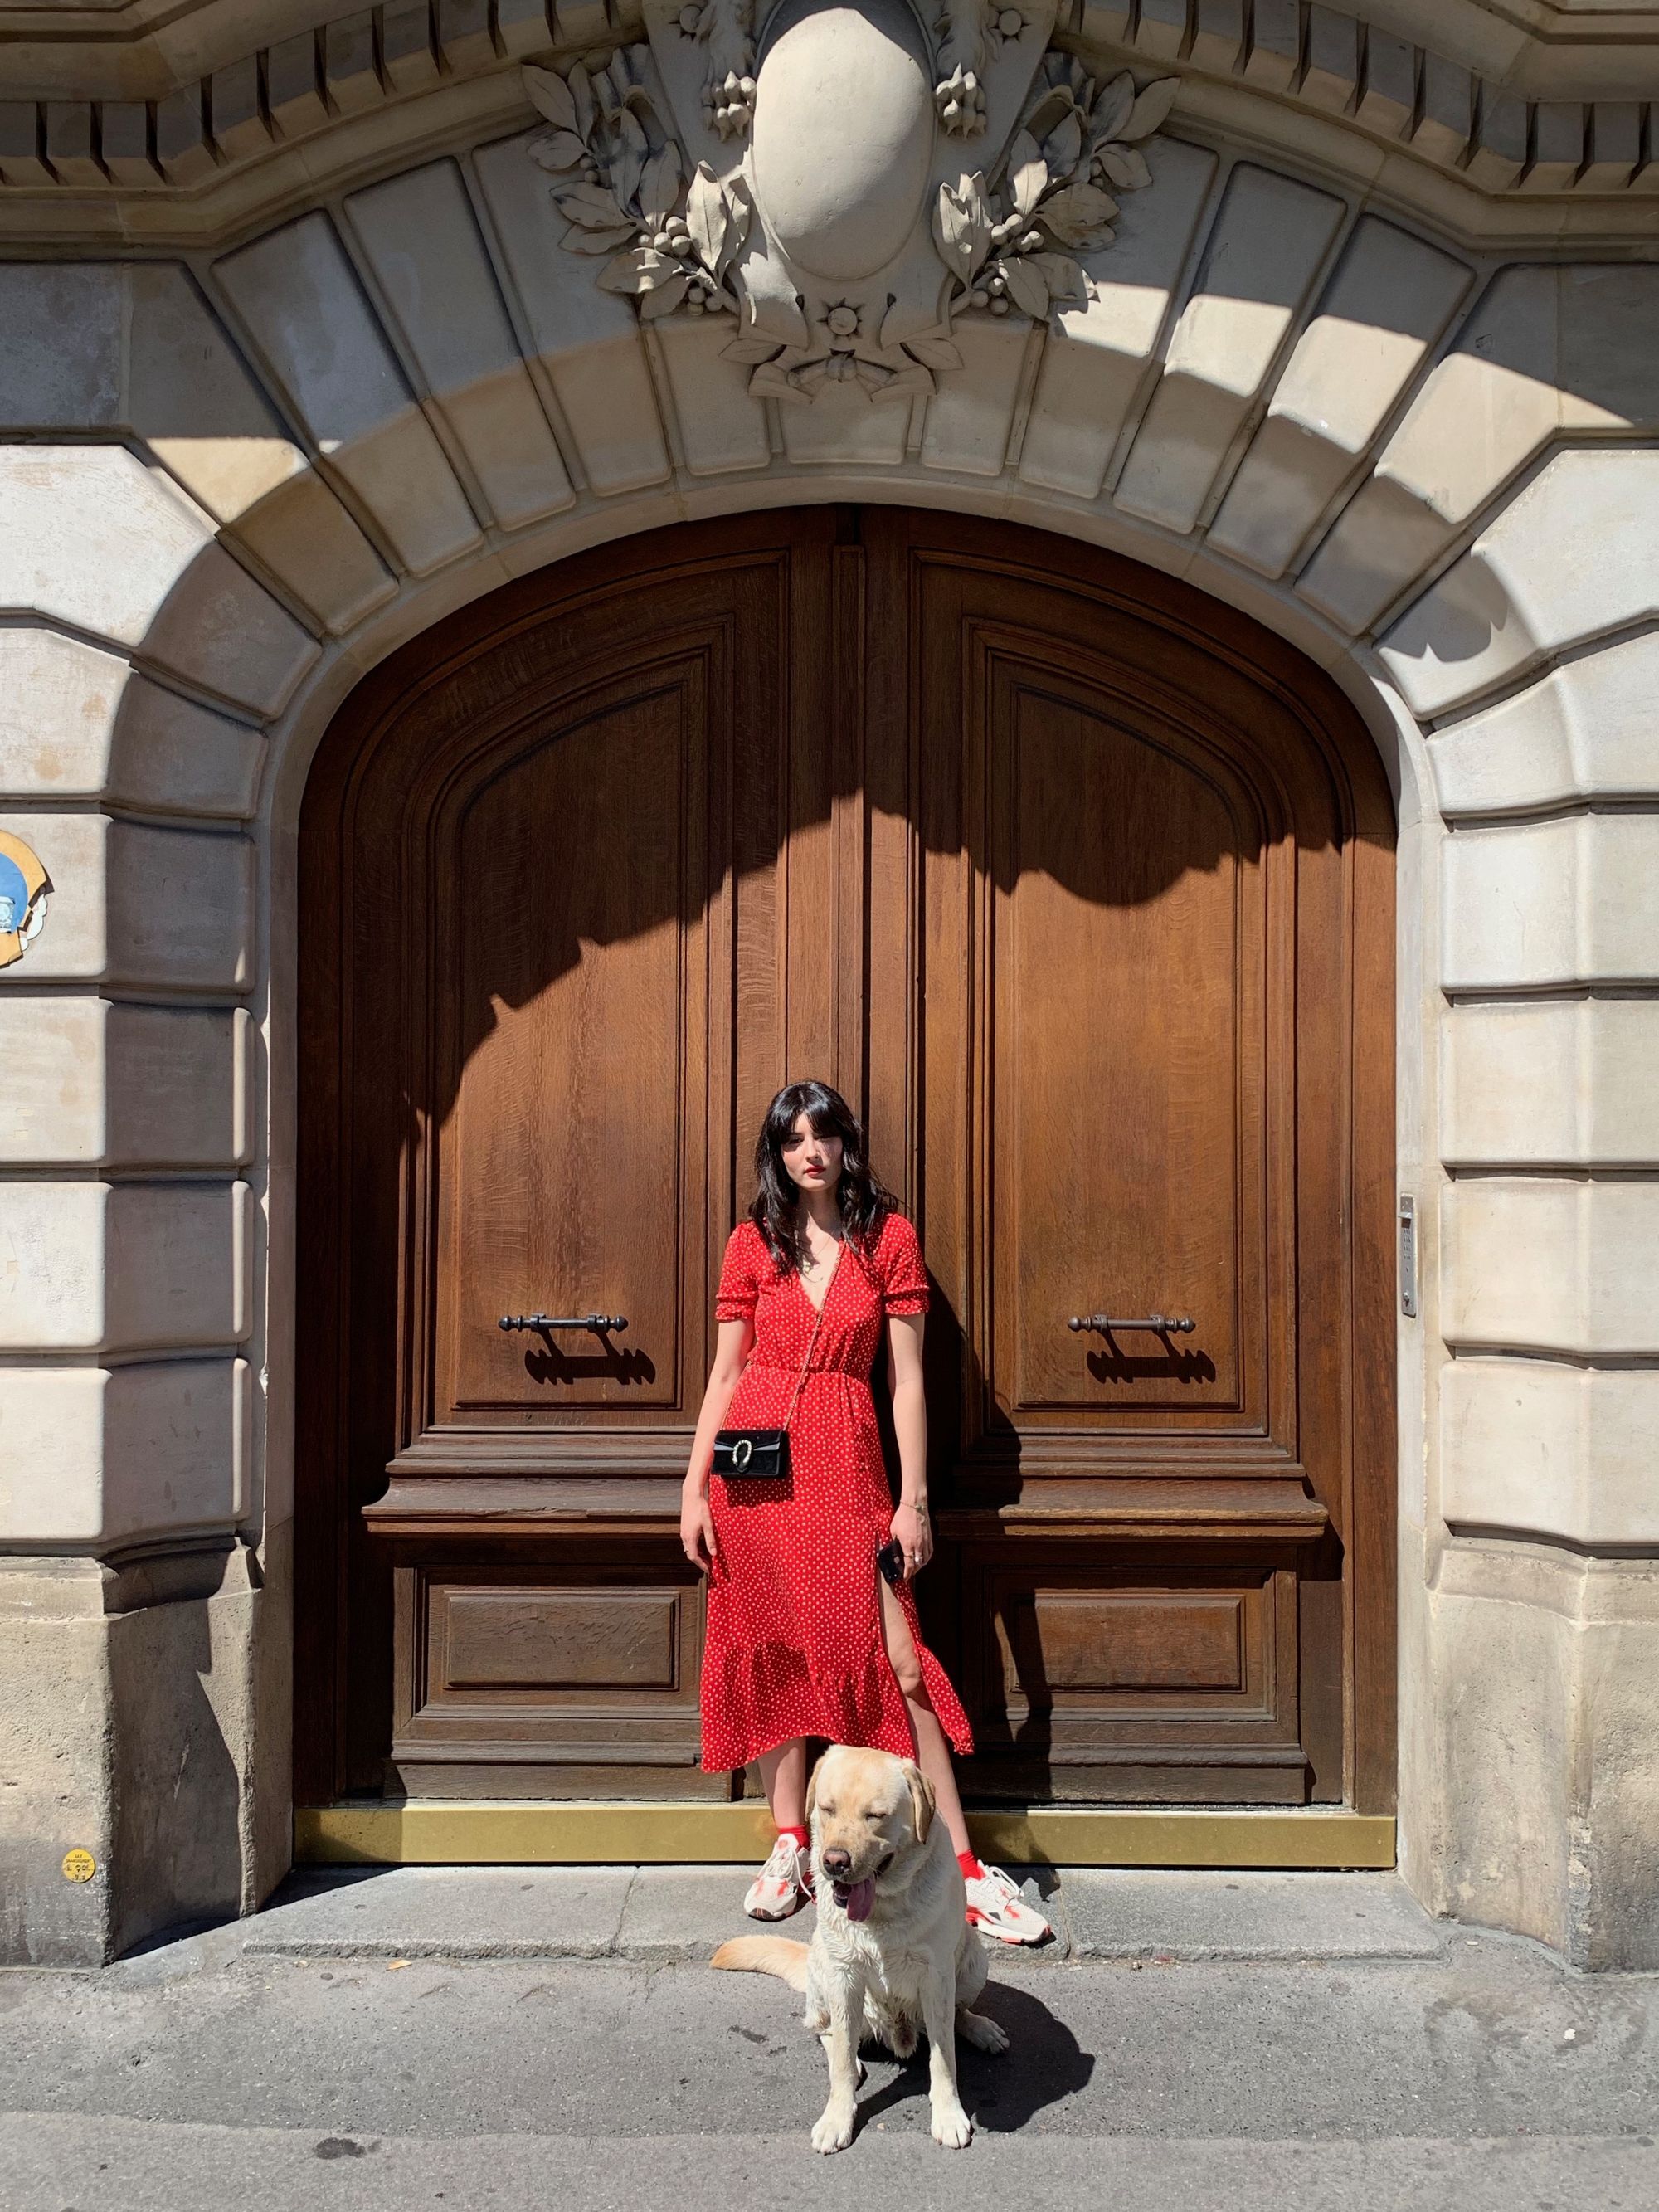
x,y
698,1529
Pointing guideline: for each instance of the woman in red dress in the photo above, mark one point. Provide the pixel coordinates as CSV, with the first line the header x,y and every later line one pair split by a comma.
x,y
805,1637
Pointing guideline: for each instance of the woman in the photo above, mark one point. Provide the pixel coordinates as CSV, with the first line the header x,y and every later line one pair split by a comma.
x,y
806,1636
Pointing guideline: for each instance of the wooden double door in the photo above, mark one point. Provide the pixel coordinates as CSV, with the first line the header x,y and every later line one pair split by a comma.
x,y
1080,888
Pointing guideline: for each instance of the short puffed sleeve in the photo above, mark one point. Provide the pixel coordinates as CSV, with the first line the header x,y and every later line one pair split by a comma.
x,y
740,1287
904,1278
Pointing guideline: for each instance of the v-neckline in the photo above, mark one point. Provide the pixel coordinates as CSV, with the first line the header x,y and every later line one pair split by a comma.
x,y
841,1253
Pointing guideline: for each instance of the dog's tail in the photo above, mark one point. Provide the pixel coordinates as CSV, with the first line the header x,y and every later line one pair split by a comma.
x,y
765,1954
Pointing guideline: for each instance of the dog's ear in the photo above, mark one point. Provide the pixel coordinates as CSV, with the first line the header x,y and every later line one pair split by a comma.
x,y
812,1790
921,1800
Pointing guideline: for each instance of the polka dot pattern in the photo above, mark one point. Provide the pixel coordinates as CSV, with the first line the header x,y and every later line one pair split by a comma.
x,y
794,1644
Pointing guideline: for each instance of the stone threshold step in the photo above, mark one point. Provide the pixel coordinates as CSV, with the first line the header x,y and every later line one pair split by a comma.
x,y
440,1831
669,1915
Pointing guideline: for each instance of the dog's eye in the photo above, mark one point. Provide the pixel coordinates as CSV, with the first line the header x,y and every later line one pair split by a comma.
x,y
827,1810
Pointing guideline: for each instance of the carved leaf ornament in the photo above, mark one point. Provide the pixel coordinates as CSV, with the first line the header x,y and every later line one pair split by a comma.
x,y
652,171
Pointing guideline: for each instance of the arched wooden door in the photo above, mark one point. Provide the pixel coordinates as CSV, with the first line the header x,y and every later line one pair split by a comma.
x,y
1081,888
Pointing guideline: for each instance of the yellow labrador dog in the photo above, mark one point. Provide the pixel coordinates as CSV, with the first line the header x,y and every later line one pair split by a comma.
x,y
893,1956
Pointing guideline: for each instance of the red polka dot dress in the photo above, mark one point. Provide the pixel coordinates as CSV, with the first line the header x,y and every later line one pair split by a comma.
x,y
794,1644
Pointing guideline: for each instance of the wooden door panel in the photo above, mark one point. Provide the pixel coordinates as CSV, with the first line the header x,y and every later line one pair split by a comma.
x,y
1123,954
572,907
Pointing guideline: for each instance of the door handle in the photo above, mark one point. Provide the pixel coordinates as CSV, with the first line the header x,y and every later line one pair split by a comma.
x,y
600,1323
1160,1324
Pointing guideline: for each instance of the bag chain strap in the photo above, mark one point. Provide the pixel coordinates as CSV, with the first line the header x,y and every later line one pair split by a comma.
x,y
806,1363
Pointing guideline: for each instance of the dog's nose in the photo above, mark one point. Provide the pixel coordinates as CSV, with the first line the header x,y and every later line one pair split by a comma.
x,y
837,1861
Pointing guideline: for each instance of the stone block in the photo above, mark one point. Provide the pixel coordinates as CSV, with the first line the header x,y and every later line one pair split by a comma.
x,y
1546,350
293,86
1391,297
1615,1922
1218,36
1558,146
1541,904
1576,553
721,427
130,1714
1531,1264
1269,241
77,722
183,144
1615,145
1585,733
60,368
95,1083
98,1458
407,53
523,26
1388,99
123,133
1161,28
843,428
190,397
1503,1748
296,292
1498,145
143,907
349,64
301,536
587,341
1330,74
92,538
1567,1083
421,238
970,417
1445,115
1275,55
23,157
1097,357
99,1267
1551,1451
239,129
72,146
464,37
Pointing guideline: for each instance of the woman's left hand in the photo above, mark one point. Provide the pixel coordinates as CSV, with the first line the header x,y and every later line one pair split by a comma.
x,y
915,1532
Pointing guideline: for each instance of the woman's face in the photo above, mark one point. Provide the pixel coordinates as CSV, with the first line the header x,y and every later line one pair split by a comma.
x,y
813,1162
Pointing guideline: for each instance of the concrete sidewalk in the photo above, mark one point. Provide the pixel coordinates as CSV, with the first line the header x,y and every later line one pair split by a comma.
x,y
666,1915
430,2038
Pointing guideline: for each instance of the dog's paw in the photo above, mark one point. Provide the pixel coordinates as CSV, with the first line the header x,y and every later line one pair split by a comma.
x,y
984,2033
833,2131
952,2127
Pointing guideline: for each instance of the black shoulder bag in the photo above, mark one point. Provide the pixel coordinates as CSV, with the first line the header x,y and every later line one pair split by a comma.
x,y
762,1455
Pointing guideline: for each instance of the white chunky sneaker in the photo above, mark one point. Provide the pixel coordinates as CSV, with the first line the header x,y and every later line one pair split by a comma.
x,y
995,1904
783,1885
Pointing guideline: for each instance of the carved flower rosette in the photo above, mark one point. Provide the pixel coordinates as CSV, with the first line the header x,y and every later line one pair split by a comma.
x,y
826,195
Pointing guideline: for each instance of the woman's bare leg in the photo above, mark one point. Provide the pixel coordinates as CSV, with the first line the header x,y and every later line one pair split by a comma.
x,y
783,1774
933,1745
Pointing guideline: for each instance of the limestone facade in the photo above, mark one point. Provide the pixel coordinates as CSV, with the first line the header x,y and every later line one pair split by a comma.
x,y
292,364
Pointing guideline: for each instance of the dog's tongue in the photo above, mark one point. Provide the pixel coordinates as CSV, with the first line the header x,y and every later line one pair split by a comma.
x,y
857,1899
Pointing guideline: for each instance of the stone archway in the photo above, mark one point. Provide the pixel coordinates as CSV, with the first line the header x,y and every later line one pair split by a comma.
x,y
312,441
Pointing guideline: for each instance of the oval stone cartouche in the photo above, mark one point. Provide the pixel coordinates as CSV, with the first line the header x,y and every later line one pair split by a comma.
x,y
844,133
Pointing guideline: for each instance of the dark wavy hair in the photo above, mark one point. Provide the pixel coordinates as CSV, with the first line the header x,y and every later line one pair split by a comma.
x,y
864,1199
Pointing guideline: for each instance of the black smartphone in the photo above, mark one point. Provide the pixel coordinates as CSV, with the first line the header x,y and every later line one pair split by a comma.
x,y
891,1560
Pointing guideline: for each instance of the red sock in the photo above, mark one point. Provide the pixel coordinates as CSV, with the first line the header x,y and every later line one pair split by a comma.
x,y
971,1869
801,1835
